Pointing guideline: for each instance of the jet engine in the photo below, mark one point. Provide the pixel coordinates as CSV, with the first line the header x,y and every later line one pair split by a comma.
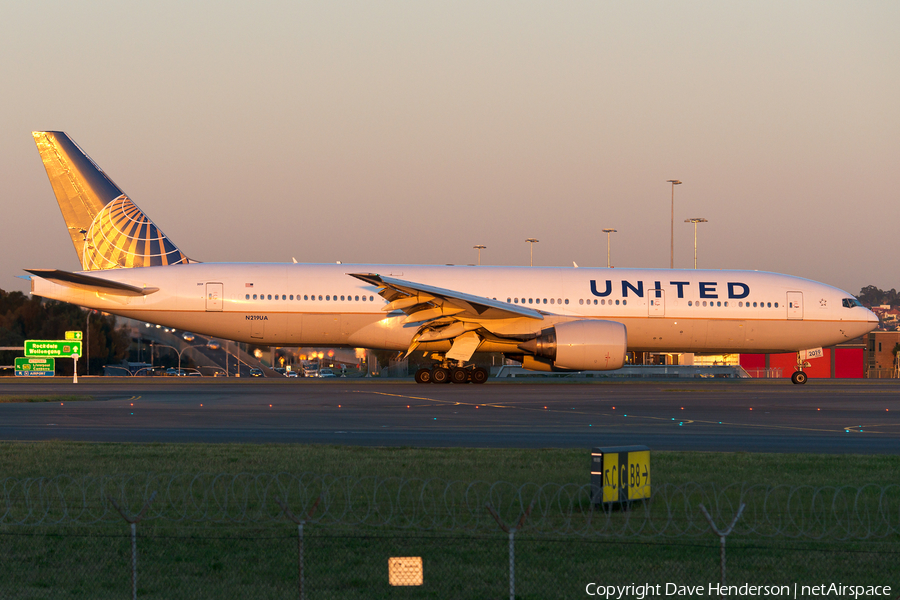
x,y
585,345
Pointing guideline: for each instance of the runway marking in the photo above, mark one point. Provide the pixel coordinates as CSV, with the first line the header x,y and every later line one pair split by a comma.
x,y
450,402
619,423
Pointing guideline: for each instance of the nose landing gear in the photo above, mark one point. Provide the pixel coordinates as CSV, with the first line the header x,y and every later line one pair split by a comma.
x,y
799,377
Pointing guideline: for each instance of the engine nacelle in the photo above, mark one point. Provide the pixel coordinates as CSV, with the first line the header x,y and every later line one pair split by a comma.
x,y
585,345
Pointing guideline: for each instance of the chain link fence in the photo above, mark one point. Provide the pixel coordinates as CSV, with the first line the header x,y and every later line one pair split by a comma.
x,y
307,536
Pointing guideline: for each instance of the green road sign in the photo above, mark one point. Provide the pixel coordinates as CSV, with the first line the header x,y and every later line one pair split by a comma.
x,y
35,367
73,335
39,348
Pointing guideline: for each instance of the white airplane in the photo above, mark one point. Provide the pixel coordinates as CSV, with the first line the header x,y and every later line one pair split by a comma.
x,y
547,318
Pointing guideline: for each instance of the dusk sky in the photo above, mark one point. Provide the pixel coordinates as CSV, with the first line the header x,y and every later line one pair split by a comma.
x,y
408,132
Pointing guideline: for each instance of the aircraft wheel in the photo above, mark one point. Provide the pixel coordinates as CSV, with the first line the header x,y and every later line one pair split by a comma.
x,y
459,375
479,375
440,375
423,376
799,377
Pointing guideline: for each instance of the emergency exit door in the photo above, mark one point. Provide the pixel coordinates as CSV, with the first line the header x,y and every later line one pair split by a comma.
x,y
214,297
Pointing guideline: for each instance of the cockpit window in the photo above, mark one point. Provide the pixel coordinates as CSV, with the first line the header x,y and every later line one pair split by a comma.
x,y
851,302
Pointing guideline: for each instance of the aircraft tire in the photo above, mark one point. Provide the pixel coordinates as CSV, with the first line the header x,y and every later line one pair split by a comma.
x,y
459,375
479,375
423,376
799,378
440,375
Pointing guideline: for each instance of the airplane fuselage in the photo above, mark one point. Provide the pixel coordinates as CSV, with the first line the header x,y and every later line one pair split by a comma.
x,y
663,310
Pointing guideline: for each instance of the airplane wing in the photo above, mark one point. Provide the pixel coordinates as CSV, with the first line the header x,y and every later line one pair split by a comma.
x,y
425,302
445,314
90,283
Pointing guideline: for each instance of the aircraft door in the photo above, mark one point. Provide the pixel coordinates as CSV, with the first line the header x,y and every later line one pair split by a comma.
x,y
213,297
795,305
656,303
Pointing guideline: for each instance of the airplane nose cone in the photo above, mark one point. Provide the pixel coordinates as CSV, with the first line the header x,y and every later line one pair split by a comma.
x,y
873,318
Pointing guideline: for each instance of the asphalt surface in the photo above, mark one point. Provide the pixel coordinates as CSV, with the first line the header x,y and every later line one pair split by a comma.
x,y
823,416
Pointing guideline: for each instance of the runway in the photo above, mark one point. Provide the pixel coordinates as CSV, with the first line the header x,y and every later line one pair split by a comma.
x,y
824,416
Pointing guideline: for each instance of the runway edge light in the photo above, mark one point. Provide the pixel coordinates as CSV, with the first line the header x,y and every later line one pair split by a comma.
x,y
620,475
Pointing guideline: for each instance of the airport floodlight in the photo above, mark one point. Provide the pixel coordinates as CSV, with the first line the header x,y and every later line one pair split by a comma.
x,y
674,182
695,221
532,241
607,232
479,247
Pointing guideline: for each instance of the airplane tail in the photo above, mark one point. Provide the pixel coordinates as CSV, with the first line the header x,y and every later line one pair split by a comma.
x,y
108,230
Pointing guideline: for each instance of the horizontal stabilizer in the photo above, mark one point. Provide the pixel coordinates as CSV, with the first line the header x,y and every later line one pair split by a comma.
x,y
91,284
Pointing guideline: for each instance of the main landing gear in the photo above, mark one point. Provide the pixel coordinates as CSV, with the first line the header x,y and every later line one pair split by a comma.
x,y
799,377
455,374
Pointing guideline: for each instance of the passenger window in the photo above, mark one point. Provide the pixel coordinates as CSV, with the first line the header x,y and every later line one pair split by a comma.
x,y
551,300
371,299
567,300
530,300
624,302
364,298
769,305
517,300
356,298
617,302
342,297
270,296
581,301
248,297
320,297
740,304
776,305
690,303
754,305
726,303
305,297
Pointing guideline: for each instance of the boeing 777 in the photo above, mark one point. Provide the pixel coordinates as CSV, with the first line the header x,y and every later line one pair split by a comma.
x,y
547,318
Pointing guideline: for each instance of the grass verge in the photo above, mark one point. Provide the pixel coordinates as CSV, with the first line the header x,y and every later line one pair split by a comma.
x,y
517,466
8,399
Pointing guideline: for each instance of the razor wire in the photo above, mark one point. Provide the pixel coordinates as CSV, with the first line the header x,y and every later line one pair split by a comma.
x,y
672,511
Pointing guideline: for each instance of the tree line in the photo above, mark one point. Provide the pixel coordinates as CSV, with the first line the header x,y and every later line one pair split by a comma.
x,y
872,296
32,318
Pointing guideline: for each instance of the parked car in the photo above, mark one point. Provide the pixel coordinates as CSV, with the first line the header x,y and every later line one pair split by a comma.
x,y
173,372
254,372
326,373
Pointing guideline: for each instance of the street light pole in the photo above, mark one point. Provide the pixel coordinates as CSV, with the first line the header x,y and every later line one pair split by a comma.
x,y
607,232
695,221
532,241
674,182
479,247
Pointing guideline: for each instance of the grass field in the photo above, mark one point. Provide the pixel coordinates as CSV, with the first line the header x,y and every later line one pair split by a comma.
x,y
223,560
